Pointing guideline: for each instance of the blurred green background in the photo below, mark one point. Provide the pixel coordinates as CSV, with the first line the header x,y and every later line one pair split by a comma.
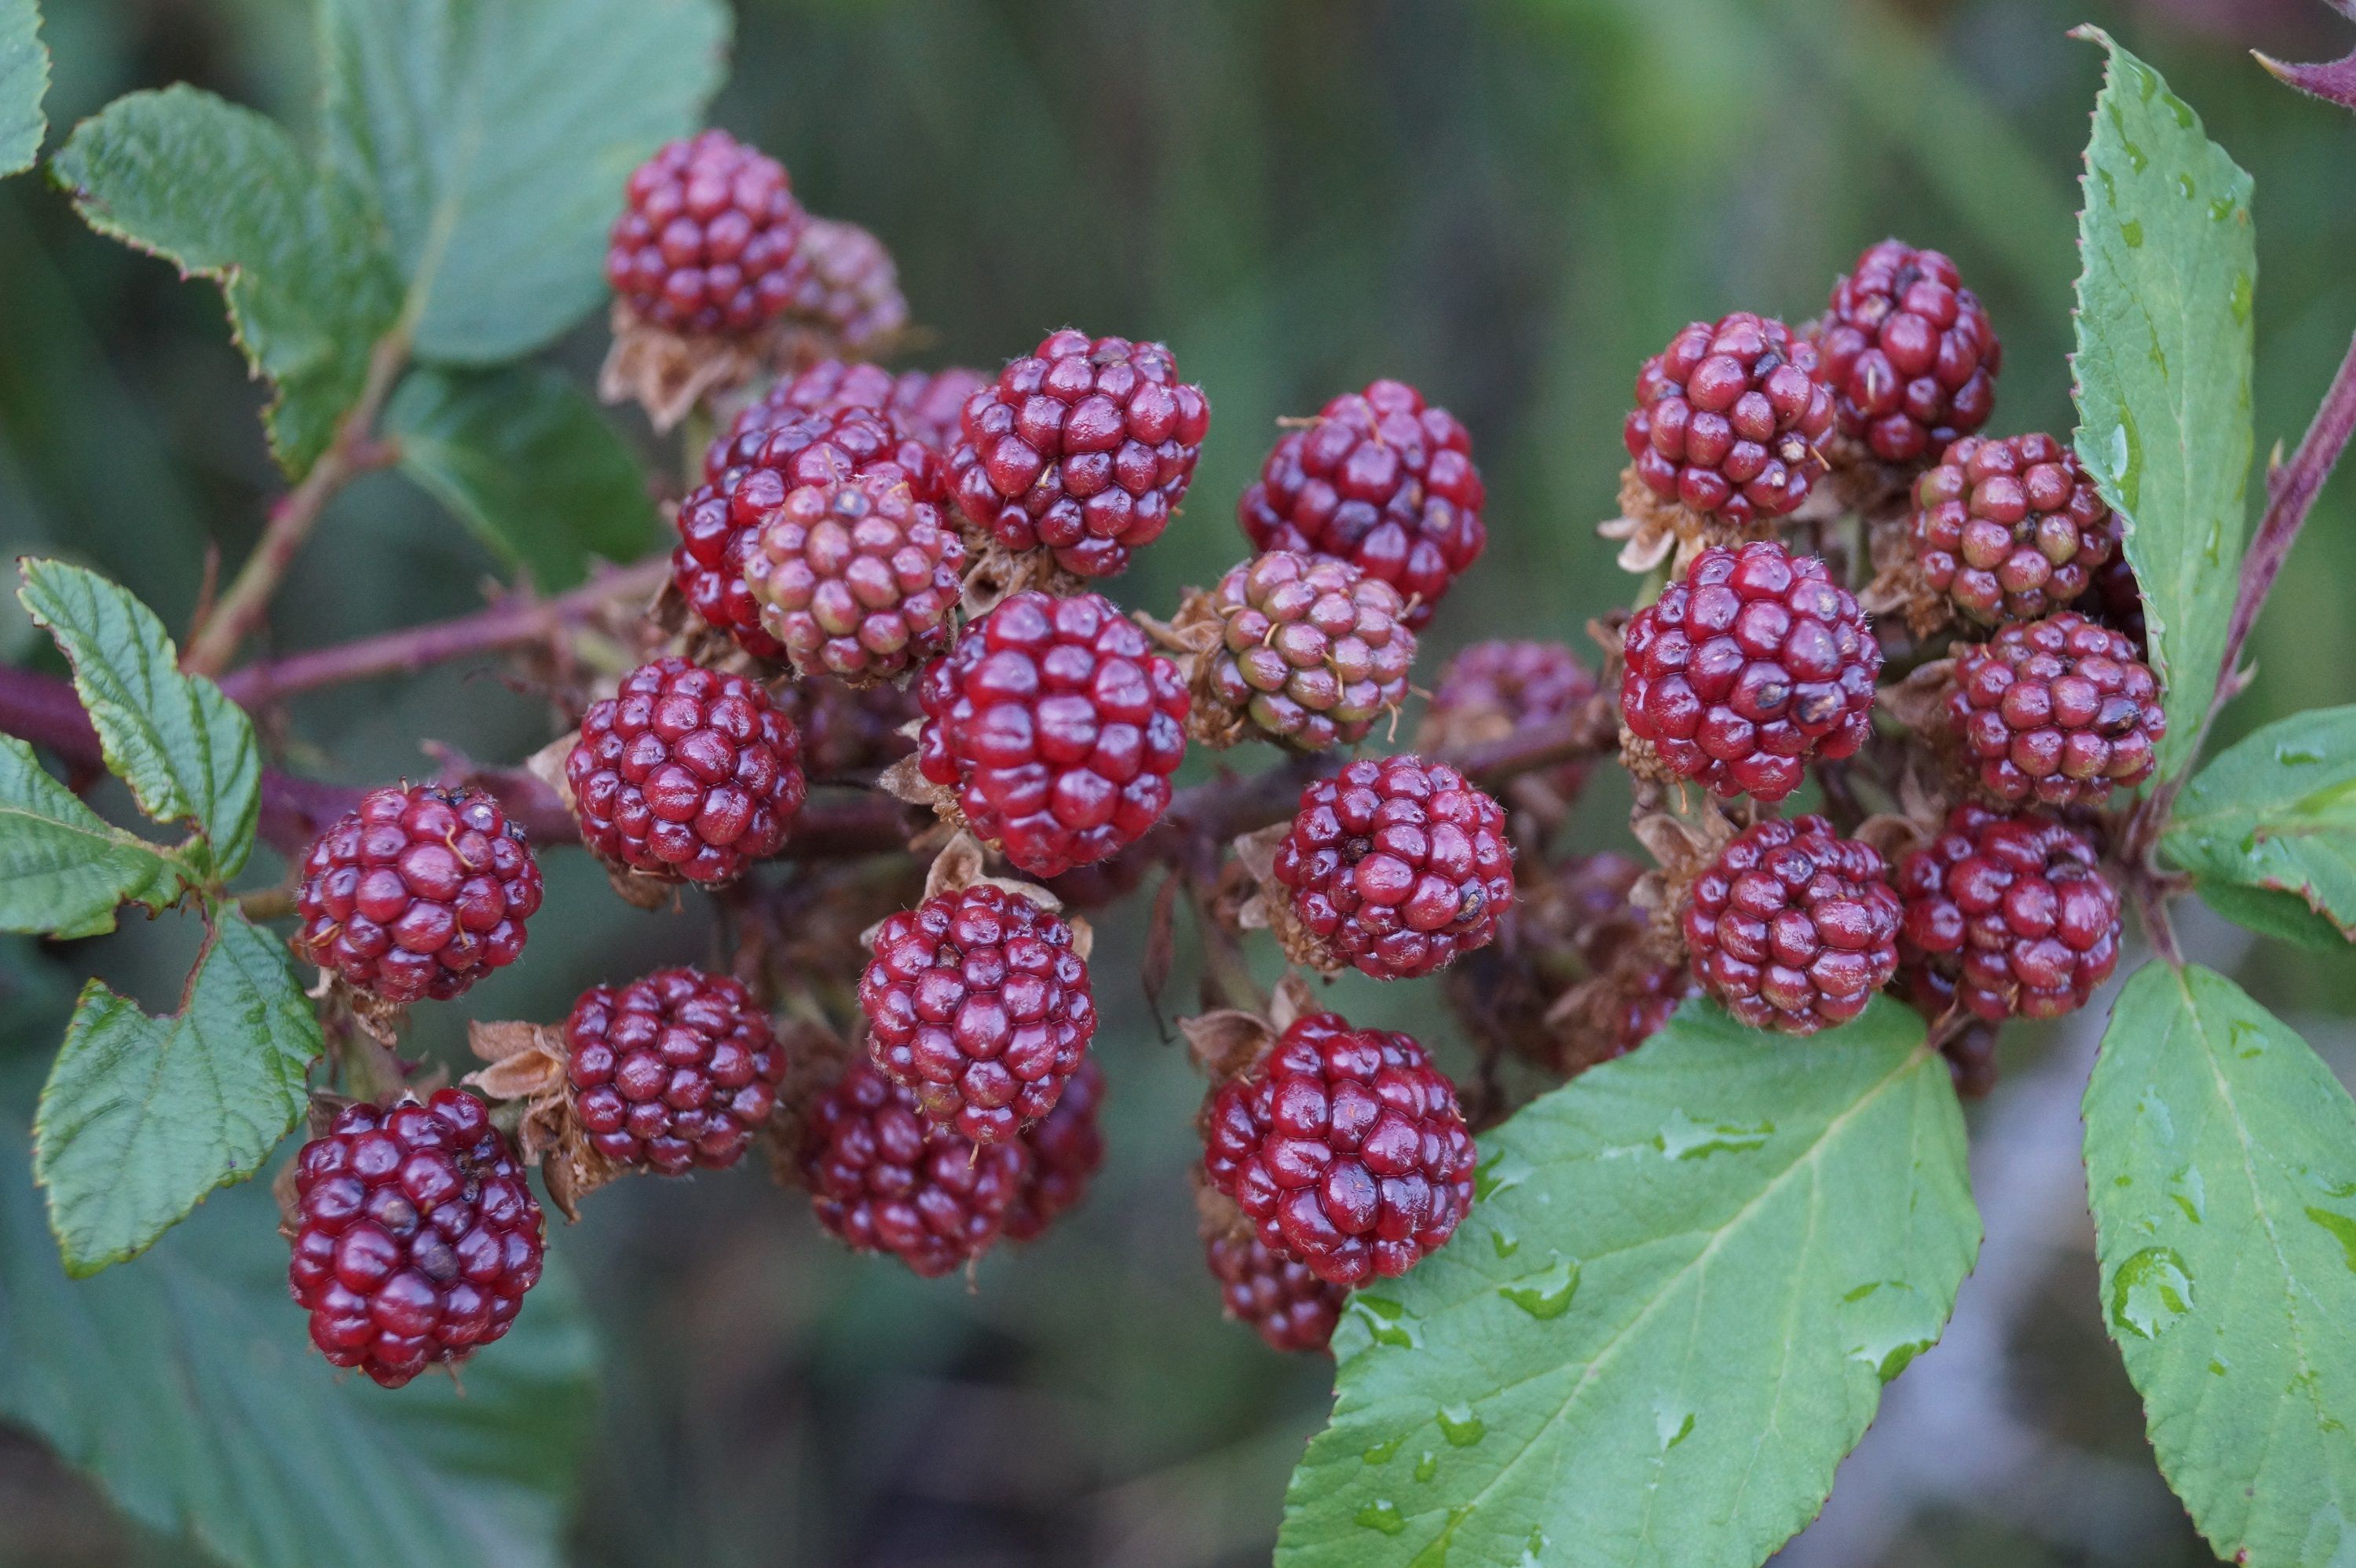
x,y
1510,204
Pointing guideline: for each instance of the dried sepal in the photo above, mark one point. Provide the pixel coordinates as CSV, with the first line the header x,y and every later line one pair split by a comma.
x,y
667,373
1268,904
995,574
525,1074
1226,1041
1193,639
1652,531
1898,587
1920,701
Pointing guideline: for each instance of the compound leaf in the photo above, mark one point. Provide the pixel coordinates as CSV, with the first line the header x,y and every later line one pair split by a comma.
x,y
224,193
2221,1154
1688,1275
2163,369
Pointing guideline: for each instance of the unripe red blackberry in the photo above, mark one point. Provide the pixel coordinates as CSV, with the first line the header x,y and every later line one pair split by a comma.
x,y
416,892
1753,665
677,1070
1909,353
2009,914
930,404
2058,710
1493,690
1382,480
1345,1147
1792,928
1058,726
1066,1147
1280,1297
976,1001
1083,447
1313,652
685,773
1730,419
847,732
1396,865
856,578
706,240
2009,528
843,288
881,1179
923,405
416,1235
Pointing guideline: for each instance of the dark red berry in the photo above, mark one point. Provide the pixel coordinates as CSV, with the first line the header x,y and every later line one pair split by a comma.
x,y
1346,1147
1792,928
2058,710
1396,865
2009,529
2008,914
1382,480
1083,447
1493,690
1282,1300
1730,419
1058,726
671,1071
1749,669
1066,1147
1313,653
843,288
976,1001
923,405
417,892
881,1179
856,578
416,1235
706,242
1908,352
848,733
685,773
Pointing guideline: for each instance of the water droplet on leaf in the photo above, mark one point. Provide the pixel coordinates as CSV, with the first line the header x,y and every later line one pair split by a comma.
x,y
1547,1293
2151,1291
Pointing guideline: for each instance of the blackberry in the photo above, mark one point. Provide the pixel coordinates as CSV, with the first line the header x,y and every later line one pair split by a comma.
x,y
843,292
418,891
1312,652
847,732
1730,419
881,1179
2058,710
1280,1297
856,578
415,1235
1908,352
1792,928
1382,480
2008,914
674,1071
707,240
2009,529
1064,1147
1495,689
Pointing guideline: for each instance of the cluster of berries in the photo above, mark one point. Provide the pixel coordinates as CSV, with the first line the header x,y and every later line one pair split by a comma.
x,y
896,572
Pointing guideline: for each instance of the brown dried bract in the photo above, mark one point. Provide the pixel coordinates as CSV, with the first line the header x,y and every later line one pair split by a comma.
x,y
1269,907
1898,587
1193,639
527,1070
1652,531
667,373
995,574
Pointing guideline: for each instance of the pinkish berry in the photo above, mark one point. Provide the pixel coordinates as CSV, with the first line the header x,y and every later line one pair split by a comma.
x,y
1313,654
1730,418
857,578
1909,353
675,1070
843,288
706,242
1792,928
1495,689
2058,710
2009,529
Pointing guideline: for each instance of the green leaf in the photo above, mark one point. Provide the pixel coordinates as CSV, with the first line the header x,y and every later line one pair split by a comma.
x,y
188,1387
2277,811
23,81
187,752
496,136
1671,1312
2163,369
142,1117
2283,916
64,869
224,193
2221,1154
525,459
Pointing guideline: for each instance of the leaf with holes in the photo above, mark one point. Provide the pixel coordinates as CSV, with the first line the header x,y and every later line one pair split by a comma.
x,y
2277,812
495,135
187,752
2221,1154
526,461
2163,369
142,1116
224,193
1687,1276
63,869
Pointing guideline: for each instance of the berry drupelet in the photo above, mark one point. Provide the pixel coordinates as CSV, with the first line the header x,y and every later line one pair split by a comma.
x,y
881,1179
1753,665
1345,1147
856,578
2006,914
2058,710
1083,447
1395,866
706,243
672,1072
2009,528
1792,928
1729,419
1064,1147
685,774
1058,727
1908,352
417,892
977,1003
1280,1297
415,1235
1381,480
1312,652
